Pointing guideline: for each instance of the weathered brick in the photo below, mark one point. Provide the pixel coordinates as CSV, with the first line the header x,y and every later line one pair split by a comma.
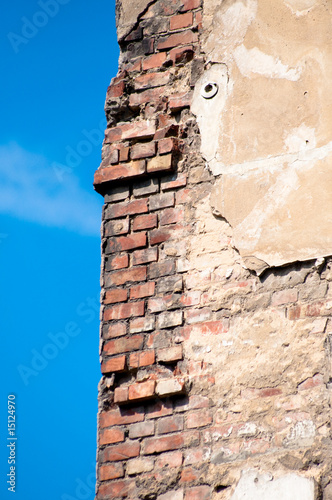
x,y
208,328
169,459
116,262
154,61
189,475
170,354
121,345
116,489
122,277
193,456
158,236
172,495
190,5
140,291
122,171
114,330
142,390
141,429
169,319
170,283
182,55
123,153
151,80
180,101
146,186
123,209
266,392
138,130
160,163
284,297
114,365
121,243
143,150
139,465
161,201
198,315
164,268
117,295
164,443
167,387
113,471
168,145
174,181
167,425
115,89
137,99
311,382
199,418
159,304
134,35
148,221
118,193
181,21
145,324
177,39
122,311
117,227
112,135
139,359
121,394
171,216
145,256
128,449
192,298
121,417
159,409
111,436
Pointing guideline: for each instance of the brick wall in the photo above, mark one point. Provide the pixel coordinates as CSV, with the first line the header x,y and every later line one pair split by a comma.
x,y
206,368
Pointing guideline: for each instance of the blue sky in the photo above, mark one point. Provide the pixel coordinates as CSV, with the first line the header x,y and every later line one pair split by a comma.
x,y
57,59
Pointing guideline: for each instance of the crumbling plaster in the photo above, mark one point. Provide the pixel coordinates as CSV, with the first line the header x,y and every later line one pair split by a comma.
x,y
267,133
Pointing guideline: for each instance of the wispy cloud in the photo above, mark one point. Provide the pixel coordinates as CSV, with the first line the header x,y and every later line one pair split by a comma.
x,y
30,190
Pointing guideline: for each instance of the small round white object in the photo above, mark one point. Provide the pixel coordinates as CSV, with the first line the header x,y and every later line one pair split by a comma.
x,y
209,90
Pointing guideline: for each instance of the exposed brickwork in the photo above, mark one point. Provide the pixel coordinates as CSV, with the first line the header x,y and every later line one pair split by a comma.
x,y
173,300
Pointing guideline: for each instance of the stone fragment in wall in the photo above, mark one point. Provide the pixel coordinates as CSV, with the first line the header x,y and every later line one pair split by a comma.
x,y
266,132
127,14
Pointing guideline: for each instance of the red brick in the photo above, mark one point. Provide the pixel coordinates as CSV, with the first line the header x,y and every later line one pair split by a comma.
x,y
198,493
139,465
129,242
112,158
122,277
284,297
141,429
197,401
113,471
154,61
117,295
126,208
208,328
123,153
168,145
171,216
159,409
163,200
128,449
122,311
198,315
189,475
158,304
160,163
117,262
199,19
170,424
145,256
122,171
121,417
134,35
148,221
139,359
110,436
151,96
115,90
181,21
190,5
158,269
141,390
116,227
113,134
114,365
121,345
169,319
115,330
170,354
116,489
180,101
177,39
140,291
192,298
143,150
267,392
121,395
311,382
169,131
193,456
170,459
181,55
199,418
254,446
151,80
173,182
138,130
159,236
164,443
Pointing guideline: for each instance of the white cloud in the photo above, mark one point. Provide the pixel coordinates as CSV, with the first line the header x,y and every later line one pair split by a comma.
x,y
30,190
